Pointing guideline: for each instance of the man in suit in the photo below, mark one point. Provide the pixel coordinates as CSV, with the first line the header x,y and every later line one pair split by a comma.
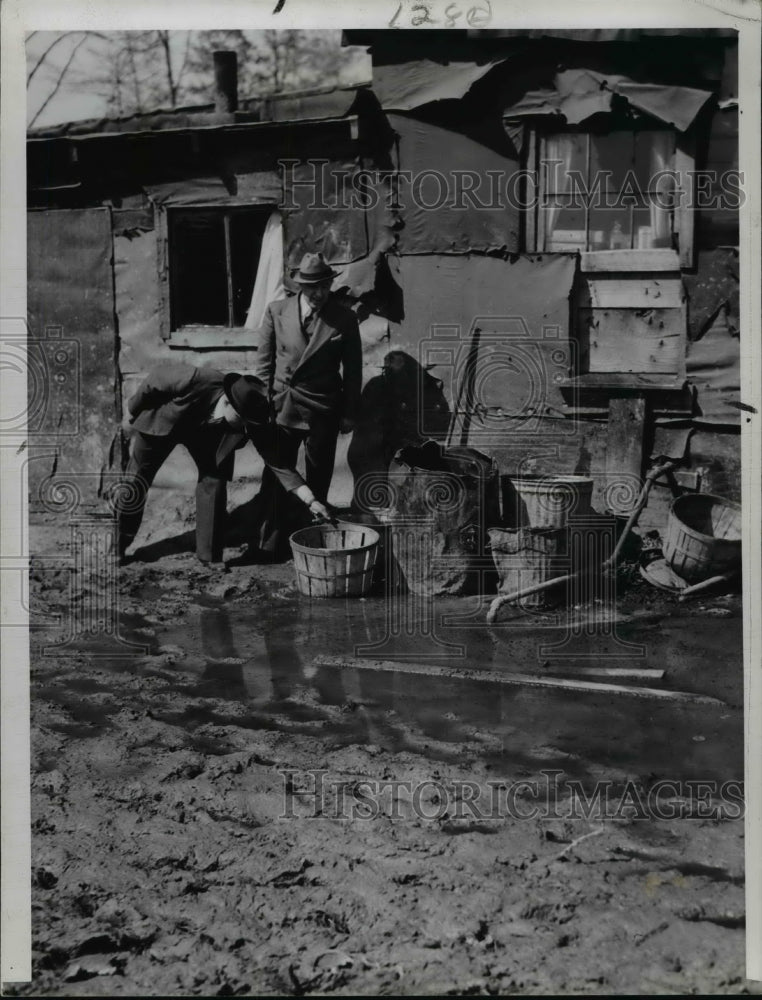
x,y
309,355
212,414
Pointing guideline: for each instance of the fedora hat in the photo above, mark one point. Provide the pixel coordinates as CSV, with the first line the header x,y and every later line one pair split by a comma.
x,y
313,270
247,394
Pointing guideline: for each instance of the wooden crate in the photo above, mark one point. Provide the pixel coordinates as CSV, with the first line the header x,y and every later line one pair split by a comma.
x,y
631,323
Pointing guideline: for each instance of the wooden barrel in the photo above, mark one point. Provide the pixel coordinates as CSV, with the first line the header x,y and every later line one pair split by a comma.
x,y
334,560
703,536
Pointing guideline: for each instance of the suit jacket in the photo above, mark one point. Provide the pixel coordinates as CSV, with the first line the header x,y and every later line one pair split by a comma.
x,y
305,375
176,397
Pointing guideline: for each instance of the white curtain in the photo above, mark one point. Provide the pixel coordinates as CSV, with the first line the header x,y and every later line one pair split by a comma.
x,y
269,282
557,148
660,200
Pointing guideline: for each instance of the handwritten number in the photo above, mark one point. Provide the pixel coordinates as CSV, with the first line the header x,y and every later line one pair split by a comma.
x,y
423,18
452,17
477,16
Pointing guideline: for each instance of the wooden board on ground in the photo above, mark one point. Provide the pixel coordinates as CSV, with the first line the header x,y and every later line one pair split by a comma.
x,y
524,680
620,673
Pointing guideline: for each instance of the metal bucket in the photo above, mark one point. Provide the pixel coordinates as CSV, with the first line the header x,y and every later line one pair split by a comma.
x,y
334,560
703,536
545,501
524,557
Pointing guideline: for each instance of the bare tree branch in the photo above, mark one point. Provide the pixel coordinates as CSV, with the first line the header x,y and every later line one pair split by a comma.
x,y
59,81
184,64
164,39
48,50
135,75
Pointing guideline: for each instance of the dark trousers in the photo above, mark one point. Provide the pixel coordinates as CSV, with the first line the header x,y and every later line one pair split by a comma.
x,y
148,454
277,512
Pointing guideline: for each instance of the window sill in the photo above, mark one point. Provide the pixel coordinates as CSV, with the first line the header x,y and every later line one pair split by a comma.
x,y
213,338
630,260
637,381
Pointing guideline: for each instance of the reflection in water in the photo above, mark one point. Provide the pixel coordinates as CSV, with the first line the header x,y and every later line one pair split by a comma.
x,y
272,668
268,664
222,677
291,653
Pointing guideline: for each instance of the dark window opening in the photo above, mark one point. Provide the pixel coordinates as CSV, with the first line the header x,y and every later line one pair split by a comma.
x,y
213,260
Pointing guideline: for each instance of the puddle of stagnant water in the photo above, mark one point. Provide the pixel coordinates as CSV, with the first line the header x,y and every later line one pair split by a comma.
x,y
262,659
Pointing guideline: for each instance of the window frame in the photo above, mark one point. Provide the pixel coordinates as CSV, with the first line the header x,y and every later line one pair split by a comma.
x,y
197,335
539,129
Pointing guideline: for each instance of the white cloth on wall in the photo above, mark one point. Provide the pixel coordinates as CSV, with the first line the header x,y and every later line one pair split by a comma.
x,y
660,202
268,286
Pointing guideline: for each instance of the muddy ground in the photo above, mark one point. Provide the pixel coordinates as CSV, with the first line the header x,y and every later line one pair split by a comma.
x,y
168,859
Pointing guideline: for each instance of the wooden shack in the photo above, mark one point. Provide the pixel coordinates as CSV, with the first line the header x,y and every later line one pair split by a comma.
x,y
549,219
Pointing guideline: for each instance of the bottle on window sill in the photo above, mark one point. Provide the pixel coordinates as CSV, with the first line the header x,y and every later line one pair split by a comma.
x,y
617,239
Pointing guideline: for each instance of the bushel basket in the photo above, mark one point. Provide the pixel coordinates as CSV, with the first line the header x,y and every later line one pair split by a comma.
x,y
703,536
334,560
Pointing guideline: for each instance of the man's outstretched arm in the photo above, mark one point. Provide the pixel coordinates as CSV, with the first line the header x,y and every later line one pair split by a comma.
x,y
264,440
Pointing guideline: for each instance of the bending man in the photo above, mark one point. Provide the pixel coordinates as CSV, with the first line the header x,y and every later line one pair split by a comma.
x,y
212,414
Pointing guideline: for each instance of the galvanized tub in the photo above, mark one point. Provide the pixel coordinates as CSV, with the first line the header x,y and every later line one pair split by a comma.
x,y
334,560
545,501
524,557
703,536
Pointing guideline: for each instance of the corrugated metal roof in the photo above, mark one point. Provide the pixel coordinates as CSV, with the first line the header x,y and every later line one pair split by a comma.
x,y
308,104
193,127
296,106
154,121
